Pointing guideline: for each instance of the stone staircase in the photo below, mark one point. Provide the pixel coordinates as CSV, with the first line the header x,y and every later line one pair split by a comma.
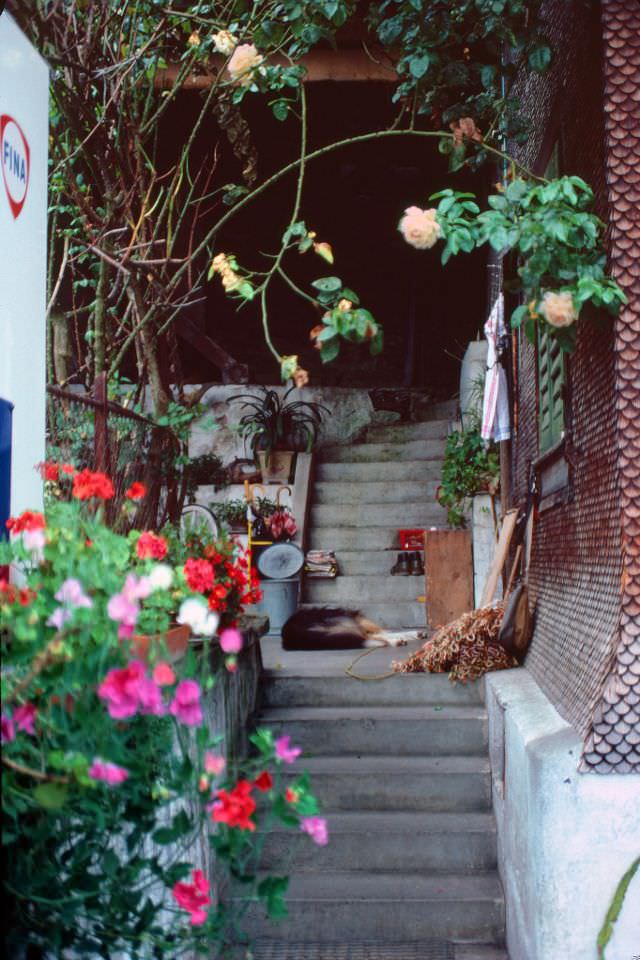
x,y
401,769
364,493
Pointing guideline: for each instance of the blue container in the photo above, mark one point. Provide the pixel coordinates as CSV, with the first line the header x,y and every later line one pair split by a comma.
x,y
6,413
279,602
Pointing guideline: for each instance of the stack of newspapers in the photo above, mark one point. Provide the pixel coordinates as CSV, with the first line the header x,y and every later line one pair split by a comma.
x,y
321,564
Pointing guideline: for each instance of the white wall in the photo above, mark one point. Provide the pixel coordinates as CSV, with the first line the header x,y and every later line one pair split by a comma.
x,y
565,838
23,253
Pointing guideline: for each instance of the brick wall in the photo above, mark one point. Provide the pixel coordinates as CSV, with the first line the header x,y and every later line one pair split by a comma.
x,y
576,562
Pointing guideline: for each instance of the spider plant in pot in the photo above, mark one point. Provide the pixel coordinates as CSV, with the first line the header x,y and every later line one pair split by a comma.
x,y
276,428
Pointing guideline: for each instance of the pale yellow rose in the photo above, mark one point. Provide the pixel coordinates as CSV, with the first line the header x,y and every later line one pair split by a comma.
x,y
420,228
194,39
344,304
300,377
558,309
224,42
244,63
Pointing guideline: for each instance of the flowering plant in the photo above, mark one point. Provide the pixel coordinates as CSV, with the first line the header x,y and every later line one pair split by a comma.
x,y
111,774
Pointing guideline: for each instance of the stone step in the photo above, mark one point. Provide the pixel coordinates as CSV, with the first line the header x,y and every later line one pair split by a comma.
x,y
402,731
268,949
442,410
374,589
361,840
477,951
389,906
375,491
383,452
405,432
398,515
362,563
392,615
409,689
381,472
375,538
435,784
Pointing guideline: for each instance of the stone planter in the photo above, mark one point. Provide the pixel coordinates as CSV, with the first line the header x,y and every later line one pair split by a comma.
x,y
276,466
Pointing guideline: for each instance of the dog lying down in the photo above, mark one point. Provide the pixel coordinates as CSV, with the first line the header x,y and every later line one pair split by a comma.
x,y
336,628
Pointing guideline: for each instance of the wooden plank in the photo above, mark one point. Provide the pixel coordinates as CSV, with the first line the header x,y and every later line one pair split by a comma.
x,y
502,550
448,575
338,65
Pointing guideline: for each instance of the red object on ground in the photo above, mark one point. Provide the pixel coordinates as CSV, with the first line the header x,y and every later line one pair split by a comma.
x,y
411,539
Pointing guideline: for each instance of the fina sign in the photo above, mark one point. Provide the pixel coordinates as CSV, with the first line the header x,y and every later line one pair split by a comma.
x,y
14,159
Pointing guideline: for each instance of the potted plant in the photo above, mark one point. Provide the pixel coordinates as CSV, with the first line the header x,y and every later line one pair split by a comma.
x,y
276,428
470,466
233,513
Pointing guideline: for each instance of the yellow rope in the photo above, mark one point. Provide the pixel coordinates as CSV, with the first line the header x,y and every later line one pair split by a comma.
x,y
357,676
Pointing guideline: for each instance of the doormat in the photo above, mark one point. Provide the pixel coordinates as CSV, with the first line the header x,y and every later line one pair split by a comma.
x,y
358,950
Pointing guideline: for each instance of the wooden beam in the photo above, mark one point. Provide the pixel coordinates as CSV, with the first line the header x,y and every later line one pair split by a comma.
x,y
232,371
321,65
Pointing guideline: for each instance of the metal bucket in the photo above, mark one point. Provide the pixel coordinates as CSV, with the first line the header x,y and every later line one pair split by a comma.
x,y
279,602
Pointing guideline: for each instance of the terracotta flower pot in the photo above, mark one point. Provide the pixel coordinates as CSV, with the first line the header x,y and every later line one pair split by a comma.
x,y
175,641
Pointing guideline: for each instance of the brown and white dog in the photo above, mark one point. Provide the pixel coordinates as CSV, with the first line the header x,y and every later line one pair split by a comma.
x,y
335,628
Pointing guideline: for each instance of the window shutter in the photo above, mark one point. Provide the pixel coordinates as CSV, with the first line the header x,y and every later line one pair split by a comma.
x,y
551,377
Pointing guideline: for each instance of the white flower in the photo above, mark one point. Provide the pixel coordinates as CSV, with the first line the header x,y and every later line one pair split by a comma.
x,y
209,625
34,541
244,63
195,614
224,42
161,577
420,227
558,309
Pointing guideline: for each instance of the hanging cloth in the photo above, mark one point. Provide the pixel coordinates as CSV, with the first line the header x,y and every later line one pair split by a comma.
x,y
495,408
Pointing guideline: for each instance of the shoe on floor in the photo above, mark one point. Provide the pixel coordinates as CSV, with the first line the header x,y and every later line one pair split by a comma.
x,y
416,564
401,566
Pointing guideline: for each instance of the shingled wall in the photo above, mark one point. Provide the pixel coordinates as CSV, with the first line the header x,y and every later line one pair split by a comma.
x,y
576,570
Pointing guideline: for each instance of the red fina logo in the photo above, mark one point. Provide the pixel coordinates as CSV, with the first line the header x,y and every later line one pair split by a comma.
x,y
14,159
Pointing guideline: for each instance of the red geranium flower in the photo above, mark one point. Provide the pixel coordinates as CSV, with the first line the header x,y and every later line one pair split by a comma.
x,y
151,545
235,807
193,897
199,575
49,471
68,468
136,491
26,521
89,483
264,782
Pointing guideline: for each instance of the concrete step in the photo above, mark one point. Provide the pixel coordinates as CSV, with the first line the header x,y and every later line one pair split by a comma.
x,y
383,452
405,432
387,491
365,562
360,841
389,906
410,514
378,537
374,589
442,410
478,951
435,784
409,689
379,472
392,615
400,731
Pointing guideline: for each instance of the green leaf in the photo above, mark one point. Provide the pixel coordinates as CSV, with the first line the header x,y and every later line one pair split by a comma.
x,y
530,330
330,350
328,284
519,315
418,66
51,796
540,58
280,109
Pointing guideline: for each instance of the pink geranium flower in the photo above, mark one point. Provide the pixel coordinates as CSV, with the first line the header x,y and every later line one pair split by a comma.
x,y
24,718
186,704
316,827
214,763
150,697
109,773
231,641
193,897
8,728
121,690
124,607
285,752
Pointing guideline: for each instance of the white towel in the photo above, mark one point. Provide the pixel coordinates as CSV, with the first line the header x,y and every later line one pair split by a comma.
x,y
495,409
